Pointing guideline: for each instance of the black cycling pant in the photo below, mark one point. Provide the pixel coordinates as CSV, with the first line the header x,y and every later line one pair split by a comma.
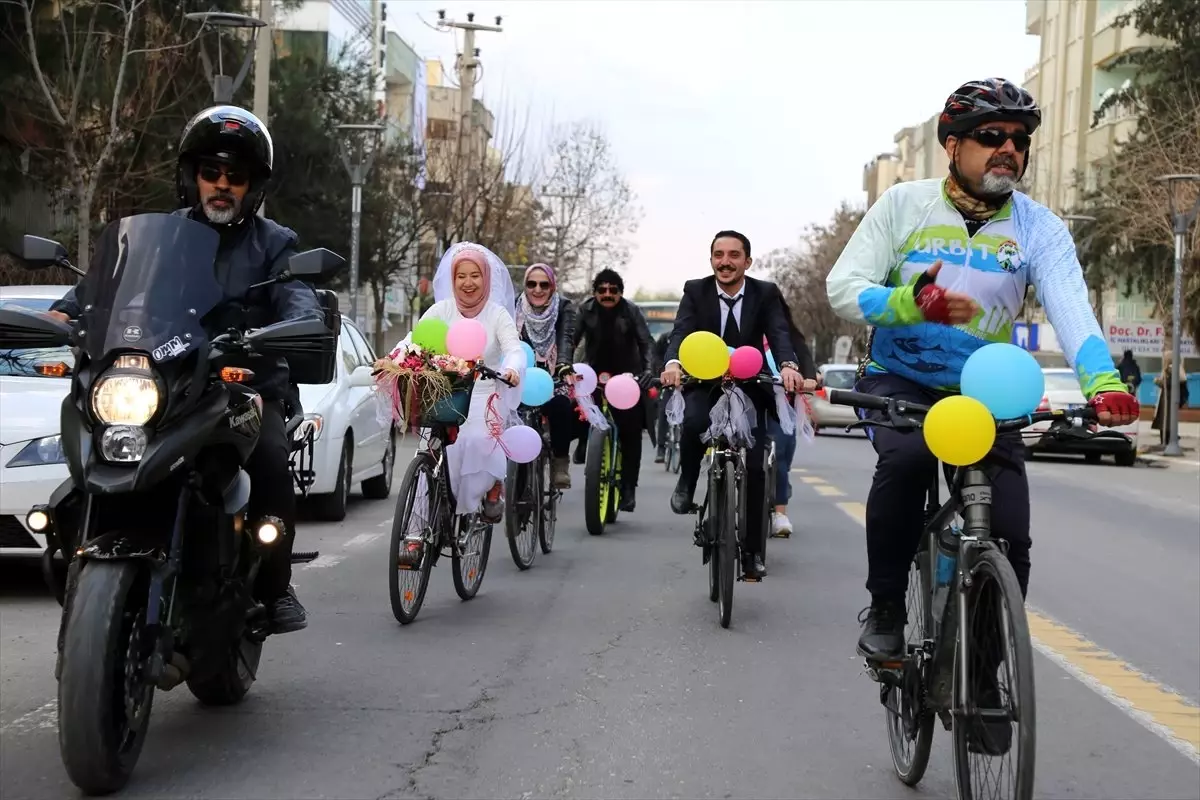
x,y
563,421
698,403
903,474
272,494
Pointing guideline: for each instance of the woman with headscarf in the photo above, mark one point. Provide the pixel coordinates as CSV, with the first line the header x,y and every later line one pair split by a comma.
x,y
472,283
546,320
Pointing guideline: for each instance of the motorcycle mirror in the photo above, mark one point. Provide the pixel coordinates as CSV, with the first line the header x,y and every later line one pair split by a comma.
x,y
39,252
320,264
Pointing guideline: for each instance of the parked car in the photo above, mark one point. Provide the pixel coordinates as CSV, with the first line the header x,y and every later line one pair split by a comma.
x,y
1093,442
826,415
33,383
350,445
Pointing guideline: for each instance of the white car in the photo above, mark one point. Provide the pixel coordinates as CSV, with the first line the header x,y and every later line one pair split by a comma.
x,y
825,414
1062,392
33,383
350,445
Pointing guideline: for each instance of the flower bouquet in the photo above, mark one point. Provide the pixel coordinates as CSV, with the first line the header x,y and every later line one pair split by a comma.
x,y
421,387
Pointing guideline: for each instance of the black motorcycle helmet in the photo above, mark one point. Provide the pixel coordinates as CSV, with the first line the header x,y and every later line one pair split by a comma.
x,y
228,135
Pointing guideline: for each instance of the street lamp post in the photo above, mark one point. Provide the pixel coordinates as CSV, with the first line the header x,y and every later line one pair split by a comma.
x,y
359,147
1182,220
223,86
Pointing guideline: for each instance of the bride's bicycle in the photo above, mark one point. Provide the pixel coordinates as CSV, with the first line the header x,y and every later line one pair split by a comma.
x,y
968,657
426,526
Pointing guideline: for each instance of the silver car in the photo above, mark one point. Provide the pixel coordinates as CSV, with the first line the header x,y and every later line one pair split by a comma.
x,y
825,415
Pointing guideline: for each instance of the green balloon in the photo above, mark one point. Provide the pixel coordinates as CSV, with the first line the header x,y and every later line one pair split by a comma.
x,y
430,334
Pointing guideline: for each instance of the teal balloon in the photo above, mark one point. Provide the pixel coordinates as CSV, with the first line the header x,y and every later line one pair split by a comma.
x,y
530,356
537,387
1007,379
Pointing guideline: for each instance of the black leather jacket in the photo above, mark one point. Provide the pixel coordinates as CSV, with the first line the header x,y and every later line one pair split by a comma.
x,y
629,350
564,329
250,252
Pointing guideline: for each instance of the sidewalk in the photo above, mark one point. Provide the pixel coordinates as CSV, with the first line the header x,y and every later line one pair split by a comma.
x,y
1189,442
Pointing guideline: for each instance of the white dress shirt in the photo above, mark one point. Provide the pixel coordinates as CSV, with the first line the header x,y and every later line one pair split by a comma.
x,y
735,307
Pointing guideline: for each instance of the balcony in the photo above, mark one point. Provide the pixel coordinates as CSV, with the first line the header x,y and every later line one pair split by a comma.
x,y
1035,12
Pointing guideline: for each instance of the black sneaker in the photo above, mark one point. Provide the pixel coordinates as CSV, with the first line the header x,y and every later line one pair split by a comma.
x,y
681,498
628,500
287,614
882,636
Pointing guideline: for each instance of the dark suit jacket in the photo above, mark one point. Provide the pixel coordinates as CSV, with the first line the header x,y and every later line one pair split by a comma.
x,y
761,315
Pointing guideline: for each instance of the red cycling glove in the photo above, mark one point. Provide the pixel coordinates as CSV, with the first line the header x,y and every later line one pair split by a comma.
x,y
931,299
1119,404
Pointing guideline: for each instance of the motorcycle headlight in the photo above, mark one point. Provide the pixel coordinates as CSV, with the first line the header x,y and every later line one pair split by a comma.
x,y
125,399
39,453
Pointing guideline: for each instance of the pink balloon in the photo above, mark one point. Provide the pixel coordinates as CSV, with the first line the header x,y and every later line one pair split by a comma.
x,y
587,379
746,362
522,443
622,391
466,339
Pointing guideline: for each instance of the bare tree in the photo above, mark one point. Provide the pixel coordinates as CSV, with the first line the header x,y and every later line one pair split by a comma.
x,y
589,202
801,271
91,103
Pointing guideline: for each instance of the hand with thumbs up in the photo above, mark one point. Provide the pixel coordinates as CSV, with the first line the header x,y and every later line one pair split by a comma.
x,y
939,305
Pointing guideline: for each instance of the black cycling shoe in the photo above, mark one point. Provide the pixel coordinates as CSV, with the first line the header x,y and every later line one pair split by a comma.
x,y
660,457
681,498
628,500
882,636
287,614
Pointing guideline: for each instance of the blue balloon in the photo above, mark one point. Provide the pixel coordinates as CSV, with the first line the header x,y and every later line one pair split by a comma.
x,y
537,387
1005,378
530,356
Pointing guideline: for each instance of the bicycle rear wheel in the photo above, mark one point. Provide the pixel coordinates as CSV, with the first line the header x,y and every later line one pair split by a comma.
x,y
909,724
469,555
523,511
549,509
595,482
999,719
727,519
414,526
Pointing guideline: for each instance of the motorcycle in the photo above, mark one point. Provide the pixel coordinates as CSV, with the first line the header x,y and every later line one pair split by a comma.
x,y
153,522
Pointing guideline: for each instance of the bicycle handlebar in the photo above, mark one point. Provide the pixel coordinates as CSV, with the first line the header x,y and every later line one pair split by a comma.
x,y
905,410
491,373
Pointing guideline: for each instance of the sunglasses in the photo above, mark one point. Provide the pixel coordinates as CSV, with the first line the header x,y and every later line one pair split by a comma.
x,y
994,138
537,285
211,174
607,290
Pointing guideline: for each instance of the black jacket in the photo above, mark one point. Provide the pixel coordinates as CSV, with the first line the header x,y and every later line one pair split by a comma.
x,y
630,349
250,252
564,329
761,315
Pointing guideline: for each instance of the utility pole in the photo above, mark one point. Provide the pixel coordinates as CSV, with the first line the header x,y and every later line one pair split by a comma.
x,y
358,161
1182,219
560,227
468,62
262,70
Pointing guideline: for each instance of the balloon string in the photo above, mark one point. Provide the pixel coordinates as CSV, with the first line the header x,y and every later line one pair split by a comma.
x,y
495,425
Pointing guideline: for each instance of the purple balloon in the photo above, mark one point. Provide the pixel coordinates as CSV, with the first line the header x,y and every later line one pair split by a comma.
x,y
622,391
587,379
522,443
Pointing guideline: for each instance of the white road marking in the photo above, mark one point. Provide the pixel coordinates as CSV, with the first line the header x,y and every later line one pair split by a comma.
x,y
320,562
44,717
362,539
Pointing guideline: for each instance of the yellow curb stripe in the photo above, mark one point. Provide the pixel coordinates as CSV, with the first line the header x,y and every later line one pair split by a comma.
x,y
812,479
829,491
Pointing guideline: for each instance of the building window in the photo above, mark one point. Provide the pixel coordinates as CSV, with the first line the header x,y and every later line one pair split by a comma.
x,y
309,45
441,129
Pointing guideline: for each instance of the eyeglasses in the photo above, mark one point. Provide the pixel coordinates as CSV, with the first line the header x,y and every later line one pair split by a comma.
x,y
607,290
543,285
211,173
994,138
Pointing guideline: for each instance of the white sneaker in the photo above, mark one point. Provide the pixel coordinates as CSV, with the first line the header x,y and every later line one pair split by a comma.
x,y
780,525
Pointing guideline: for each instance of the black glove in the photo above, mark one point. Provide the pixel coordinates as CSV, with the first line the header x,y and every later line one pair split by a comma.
x,y
563,370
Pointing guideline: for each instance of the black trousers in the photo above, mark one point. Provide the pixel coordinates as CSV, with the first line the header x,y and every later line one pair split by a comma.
x,y
698,403
563,420
272,494
903,474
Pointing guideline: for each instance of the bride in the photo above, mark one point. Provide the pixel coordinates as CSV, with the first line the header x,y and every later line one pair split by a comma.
x,y
472,283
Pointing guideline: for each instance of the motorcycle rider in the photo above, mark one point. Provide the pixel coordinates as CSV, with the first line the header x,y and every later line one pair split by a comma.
x,y
225,158
615,339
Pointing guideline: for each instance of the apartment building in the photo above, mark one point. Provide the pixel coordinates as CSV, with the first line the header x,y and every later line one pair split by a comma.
x,y
334,29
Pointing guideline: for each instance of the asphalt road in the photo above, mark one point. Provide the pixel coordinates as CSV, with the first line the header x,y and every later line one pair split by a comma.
x,y
602,671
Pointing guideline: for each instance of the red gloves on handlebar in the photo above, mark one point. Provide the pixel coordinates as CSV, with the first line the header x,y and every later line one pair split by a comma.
x,y
1119,404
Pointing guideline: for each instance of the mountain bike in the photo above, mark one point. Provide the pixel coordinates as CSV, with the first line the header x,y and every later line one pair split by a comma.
x,y
426,526
721,519
602,470
531,511
966,621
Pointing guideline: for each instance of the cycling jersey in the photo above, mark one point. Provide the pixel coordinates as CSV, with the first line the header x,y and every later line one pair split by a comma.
x,y
914,224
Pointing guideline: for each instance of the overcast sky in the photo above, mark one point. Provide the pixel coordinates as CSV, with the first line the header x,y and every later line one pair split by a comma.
x,y
757,116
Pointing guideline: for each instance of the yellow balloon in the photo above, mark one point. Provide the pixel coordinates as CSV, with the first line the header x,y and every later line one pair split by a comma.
x,y
704,355
959,430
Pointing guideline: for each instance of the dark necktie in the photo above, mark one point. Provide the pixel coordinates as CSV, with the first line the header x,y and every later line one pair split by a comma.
x,y
732,334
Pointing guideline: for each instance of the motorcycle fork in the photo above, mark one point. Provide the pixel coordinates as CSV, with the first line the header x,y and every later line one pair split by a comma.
x,y
159,642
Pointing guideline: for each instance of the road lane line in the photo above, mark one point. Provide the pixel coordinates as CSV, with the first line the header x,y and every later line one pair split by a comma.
x,y
826,490
44,717
812,480
320,562
362,539
1157,708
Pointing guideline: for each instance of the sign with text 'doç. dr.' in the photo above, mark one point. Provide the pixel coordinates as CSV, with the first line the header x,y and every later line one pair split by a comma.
x,y
1144,338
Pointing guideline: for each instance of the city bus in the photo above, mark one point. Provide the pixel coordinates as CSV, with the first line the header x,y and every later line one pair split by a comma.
x,y
660,315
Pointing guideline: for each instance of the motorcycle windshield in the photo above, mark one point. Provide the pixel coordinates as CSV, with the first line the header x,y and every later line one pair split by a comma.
x,y
152,290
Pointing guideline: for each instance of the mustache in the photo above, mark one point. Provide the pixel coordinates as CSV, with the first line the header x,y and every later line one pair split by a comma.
x,y
1003,161
223,195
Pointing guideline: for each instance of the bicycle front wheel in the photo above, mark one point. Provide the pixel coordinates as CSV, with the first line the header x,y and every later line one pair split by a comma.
x,y
995,730
614,480
726,546
523,511
595,481
414,539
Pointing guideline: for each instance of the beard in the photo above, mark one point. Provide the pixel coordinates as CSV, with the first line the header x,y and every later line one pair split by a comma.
x,y
222,215
993,185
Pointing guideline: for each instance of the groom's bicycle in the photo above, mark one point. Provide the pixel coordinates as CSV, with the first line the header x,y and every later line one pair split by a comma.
x,y
968,658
